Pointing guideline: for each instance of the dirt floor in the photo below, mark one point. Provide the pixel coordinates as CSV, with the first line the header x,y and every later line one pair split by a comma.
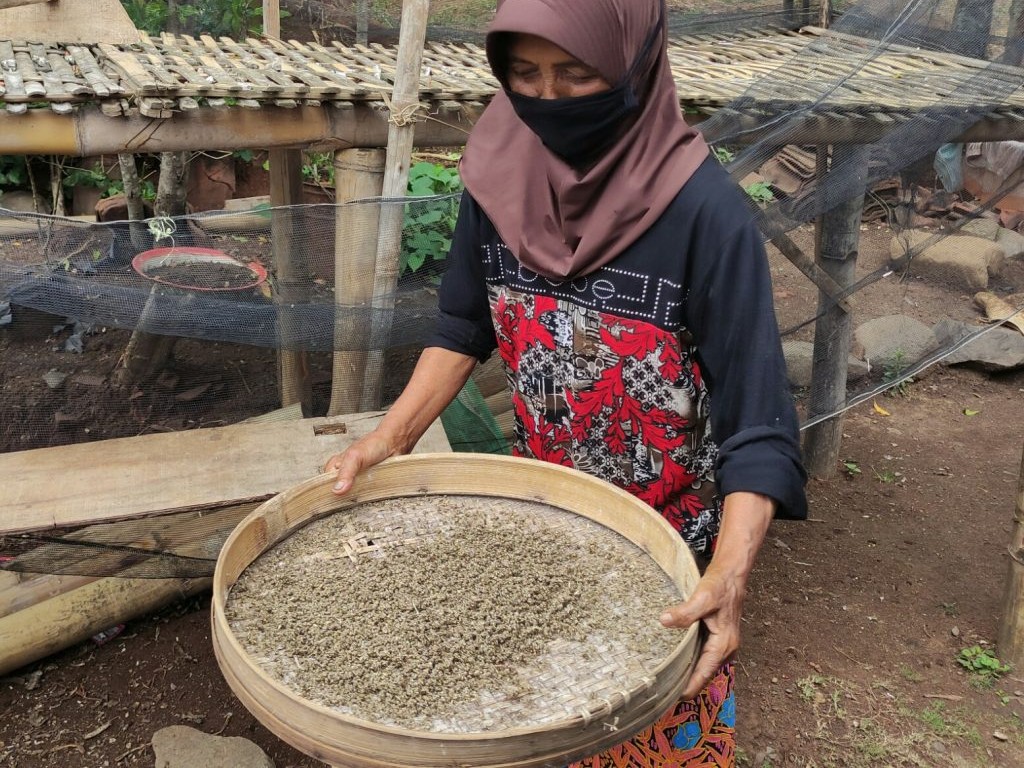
x,y
854,623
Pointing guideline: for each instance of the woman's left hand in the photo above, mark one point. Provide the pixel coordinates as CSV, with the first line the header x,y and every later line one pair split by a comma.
x,y
717,599
718,602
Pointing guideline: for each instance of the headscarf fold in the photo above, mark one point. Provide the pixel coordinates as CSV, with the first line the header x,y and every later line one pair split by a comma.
x,y
559,221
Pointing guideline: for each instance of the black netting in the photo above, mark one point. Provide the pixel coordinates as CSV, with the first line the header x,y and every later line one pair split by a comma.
x,y
883,160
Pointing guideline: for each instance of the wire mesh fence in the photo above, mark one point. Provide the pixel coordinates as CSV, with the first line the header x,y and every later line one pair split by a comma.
x,y
883,160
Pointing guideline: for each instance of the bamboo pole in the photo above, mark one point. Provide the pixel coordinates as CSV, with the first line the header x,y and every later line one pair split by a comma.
x,y
1010,640
836,241
60,622
358,174
405,102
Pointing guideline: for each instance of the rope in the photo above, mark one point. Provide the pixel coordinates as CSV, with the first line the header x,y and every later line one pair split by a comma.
x,y
407,115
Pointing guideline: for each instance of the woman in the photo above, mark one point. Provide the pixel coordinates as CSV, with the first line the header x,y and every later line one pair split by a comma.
x,y
611,262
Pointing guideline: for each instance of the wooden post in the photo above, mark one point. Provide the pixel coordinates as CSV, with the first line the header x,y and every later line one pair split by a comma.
x,y
405,102
362,22
836,241
1010,641
293,277
272,18
826,14
358,174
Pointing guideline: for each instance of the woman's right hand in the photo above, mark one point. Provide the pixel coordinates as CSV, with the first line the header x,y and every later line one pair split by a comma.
x,y
361,455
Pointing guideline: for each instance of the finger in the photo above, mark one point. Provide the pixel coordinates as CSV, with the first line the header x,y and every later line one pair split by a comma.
x,y
683,615
348,465
708,664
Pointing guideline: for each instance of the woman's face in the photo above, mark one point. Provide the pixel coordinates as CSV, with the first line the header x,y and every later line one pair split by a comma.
x,y
539,68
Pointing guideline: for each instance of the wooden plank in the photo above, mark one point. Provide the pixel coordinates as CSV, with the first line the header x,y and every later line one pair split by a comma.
x,y
69,21
177,471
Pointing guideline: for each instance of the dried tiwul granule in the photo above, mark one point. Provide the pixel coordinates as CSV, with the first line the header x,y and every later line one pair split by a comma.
x,y
447,613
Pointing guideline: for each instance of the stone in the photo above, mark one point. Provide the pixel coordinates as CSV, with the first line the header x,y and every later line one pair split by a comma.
x,y
961,260
182,747
998,349
1011,242
894,341
981,227
22,201
799,363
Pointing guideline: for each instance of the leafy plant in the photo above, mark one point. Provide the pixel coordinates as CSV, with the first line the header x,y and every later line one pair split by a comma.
x,y
886,475
13,172
148,15
851,468
983,665
318,168
760,192
892,373
724,155
428,227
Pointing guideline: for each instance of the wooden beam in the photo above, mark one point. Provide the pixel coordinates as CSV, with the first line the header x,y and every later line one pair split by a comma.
x,y
88,132
173,472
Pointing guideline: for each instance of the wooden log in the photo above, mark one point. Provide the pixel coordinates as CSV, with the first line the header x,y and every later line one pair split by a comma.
x,y
405,103
1010,640
837,237
358,174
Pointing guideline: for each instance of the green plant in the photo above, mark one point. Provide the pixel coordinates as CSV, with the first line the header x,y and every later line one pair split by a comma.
x,y
723,155
984,666
13,172
760,192
148,15
428,227
886,475
892,373
851,468
317,168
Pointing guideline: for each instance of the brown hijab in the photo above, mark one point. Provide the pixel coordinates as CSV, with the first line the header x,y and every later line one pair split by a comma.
x,y
560,222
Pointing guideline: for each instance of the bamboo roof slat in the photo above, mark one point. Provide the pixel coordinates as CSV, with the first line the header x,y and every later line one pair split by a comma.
x,y
822,71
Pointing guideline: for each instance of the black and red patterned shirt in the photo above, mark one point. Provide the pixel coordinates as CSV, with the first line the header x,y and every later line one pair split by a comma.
x,y
660,372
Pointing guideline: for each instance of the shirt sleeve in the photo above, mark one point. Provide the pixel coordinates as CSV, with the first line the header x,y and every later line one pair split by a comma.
x,y
731,314
464,314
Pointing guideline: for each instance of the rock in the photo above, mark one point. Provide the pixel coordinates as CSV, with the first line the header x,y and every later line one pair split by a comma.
x,y
20,200
999,349
981,227
962,260
182,747
1011,242
895,341
799,362
54,379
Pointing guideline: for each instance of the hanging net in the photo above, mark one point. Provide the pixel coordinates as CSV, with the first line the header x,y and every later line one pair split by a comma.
x,y
883,160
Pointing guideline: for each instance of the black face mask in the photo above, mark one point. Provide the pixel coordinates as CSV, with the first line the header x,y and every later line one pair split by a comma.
x,y
581,129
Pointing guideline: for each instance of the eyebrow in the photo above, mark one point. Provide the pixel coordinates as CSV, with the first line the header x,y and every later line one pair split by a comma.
x,y
513,59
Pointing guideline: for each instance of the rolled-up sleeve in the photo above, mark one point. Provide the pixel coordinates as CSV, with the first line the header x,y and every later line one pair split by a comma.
x,y
753,419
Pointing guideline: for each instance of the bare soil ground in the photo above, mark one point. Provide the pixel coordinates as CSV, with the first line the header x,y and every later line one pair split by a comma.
x,y
854,621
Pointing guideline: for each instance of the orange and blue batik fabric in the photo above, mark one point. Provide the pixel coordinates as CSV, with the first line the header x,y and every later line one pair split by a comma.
x,y
696,733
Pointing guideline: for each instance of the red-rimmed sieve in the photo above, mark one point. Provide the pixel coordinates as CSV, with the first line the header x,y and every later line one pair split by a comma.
x,y
198,269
